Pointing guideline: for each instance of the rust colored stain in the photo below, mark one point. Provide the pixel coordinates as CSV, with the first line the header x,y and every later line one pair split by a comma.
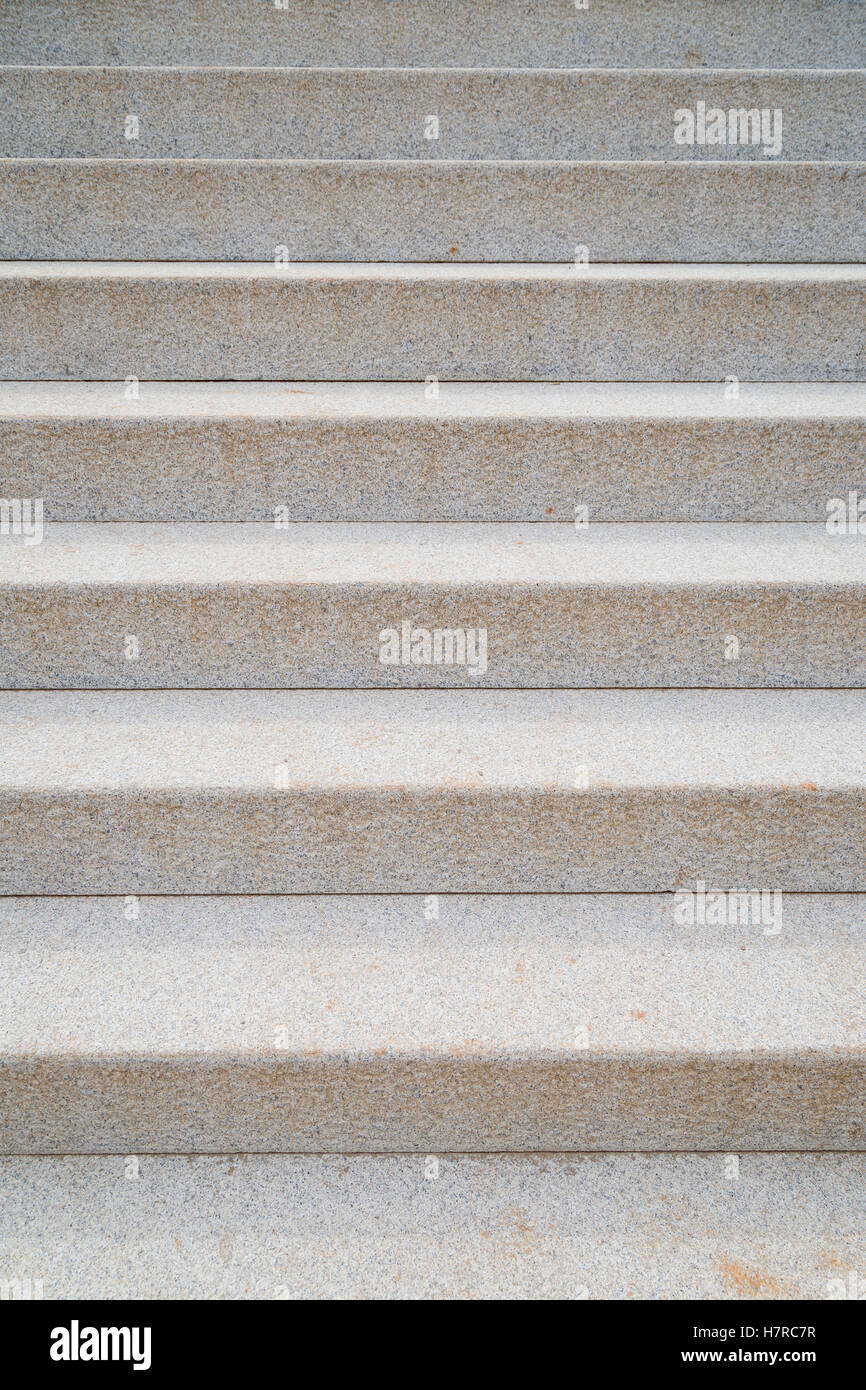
x,y
518,1236
748,1283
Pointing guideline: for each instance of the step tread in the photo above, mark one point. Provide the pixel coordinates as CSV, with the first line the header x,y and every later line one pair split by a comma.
x,y
425,272
481,71
474,555
490,978
335,605
114,164
375,400
351,1226
467,741
529,1023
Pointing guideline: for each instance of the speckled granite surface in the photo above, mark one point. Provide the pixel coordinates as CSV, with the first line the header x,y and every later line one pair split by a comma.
x,y
397,1023
385,33
549,1226
444,211
235,791
380,451
541,1016
307,606
334,113
484,322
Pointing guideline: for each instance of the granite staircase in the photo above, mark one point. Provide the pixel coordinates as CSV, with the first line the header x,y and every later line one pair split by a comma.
x,y
432,580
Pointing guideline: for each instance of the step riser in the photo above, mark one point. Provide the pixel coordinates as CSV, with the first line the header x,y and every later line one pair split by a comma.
x,y
64,113
415,840
371,1106
118,209
226,463
228,635
382,33
285,328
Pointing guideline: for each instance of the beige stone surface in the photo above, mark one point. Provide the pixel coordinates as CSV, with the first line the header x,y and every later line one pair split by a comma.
x,y
393,1023
426,791
502,1226
316,606
446,210
384,451
463,33
187,112
398,322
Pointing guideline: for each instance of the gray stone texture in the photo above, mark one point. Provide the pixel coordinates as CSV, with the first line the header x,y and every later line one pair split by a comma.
x,y
307,605
291,970
342,321
426,791
367,1024
366,451
594,1226
331,113
337,210
465,33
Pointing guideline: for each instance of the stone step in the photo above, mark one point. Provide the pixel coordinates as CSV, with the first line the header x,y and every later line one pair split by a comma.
x,y
137,606
368,451
463,33
432,113
223,209
427,791
433,1024
343,321
354,1226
